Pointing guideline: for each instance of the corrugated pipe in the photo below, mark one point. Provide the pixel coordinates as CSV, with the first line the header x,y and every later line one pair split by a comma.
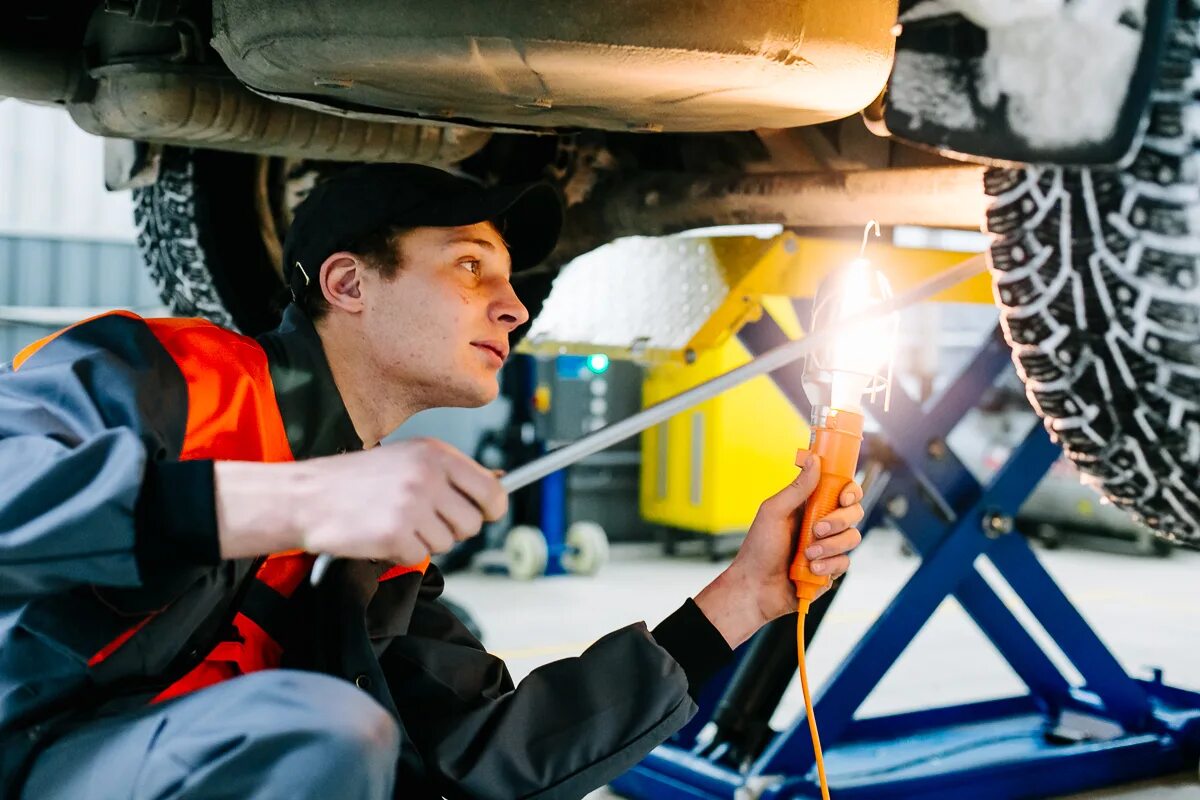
x,y
217,112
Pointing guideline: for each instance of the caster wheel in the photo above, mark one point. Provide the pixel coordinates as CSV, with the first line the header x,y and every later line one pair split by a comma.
x,y
670,542
526,553
1161,547
587,549
713,548
1050,537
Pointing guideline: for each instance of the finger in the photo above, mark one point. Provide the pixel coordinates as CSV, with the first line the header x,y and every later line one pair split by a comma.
x,y
462,516
838,520
852,494
435,533
478,484
834,545
790,497
834,566
410,549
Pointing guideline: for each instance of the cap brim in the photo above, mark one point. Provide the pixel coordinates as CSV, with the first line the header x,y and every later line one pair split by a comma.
x,y
529,218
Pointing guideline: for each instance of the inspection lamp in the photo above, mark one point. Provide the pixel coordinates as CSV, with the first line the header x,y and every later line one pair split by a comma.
x,y
852,365
855,365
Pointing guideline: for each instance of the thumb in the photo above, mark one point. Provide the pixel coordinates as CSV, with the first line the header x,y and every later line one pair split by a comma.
x,y
790,497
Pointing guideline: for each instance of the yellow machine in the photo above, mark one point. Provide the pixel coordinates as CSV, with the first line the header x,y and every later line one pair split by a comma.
x,y
704,471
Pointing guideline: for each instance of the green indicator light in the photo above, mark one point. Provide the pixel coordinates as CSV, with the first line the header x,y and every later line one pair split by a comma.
x,y
597,363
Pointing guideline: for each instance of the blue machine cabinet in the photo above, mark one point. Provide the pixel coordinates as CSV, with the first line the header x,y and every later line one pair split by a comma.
x,y
1056,739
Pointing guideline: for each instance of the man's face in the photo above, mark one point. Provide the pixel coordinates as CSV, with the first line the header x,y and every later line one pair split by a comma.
x,y
438,330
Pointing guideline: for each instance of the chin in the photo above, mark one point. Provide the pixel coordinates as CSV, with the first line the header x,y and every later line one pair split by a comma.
x,y
488,394
476,395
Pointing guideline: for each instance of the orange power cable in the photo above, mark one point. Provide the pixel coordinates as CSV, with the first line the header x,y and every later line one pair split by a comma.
x,y
808,711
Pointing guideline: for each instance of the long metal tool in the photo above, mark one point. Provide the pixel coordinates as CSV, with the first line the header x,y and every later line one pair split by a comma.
x,y
768,362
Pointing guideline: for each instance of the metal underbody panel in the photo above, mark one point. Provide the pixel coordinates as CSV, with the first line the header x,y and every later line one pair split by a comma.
x,y
644,65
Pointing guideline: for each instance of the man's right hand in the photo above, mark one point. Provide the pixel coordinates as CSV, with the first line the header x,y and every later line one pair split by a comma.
x,y
397,503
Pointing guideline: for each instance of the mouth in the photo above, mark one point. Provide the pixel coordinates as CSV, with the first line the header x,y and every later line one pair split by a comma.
x,y
498,350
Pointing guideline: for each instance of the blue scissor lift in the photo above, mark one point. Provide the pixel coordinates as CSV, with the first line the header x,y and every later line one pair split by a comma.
x,y
1056,739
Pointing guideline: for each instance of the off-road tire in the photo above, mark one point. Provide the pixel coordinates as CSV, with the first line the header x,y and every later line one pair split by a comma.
x,y
200,235
1097,273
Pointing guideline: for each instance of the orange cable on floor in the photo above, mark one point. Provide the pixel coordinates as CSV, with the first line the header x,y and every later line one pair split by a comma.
x,y
808,708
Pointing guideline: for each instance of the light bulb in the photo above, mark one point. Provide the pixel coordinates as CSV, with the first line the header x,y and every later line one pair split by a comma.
x,y
861,348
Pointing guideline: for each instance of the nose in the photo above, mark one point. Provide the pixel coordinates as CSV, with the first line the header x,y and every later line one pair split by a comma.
x,y
507,309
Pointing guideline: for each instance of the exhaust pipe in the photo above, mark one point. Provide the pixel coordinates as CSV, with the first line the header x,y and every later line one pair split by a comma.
x,y
218,112
215,111
40,76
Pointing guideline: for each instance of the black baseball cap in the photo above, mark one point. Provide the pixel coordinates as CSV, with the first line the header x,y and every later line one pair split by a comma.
x,y
368,197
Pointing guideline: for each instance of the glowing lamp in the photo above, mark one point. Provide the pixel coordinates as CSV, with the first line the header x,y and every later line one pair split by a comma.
x,y
854,366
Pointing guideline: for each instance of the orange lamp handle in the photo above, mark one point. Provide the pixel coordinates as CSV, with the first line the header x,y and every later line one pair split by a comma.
x,y
821,503
837,443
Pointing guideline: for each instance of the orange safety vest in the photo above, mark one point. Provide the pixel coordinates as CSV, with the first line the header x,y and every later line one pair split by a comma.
x,y
232,415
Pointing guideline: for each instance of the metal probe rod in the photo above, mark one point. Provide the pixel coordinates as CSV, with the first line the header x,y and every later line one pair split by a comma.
x,y
768,362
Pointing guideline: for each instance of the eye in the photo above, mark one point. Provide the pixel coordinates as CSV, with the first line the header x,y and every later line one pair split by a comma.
x,y
473,266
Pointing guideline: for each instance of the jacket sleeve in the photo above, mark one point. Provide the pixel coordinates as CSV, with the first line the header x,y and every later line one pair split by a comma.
x,y
91,422
569,727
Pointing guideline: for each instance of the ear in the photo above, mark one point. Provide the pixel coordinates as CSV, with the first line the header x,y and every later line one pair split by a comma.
x,y
341,282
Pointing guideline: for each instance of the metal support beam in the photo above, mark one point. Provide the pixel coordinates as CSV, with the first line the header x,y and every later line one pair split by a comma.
x,y
1122,697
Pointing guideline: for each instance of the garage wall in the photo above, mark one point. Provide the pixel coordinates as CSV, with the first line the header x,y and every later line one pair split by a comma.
x,y
52,179
60,281
66,244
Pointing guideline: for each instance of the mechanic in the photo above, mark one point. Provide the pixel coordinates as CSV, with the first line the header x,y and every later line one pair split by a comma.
x,y
165,482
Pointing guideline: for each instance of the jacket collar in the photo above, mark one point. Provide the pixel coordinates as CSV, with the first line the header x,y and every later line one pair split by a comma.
x,y
314,415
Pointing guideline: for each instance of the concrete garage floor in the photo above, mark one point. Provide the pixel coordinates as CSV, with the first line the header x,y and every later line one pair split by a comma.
x,y
1144,608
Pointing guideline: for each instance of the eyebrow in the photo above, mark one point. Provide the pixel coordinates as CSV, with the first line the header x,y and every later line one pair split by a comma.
x,y
484,243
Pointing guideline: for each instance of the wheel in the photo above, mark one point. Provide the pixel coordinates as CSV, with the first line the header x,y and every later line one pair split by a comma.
x,y
525,552
712,546
1161,547
587,549
1050,537
1096,272
209,234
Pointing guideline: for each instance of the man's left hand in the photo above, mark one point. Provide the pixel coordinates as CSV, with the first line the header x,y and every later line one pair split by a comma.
x,y
755,588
